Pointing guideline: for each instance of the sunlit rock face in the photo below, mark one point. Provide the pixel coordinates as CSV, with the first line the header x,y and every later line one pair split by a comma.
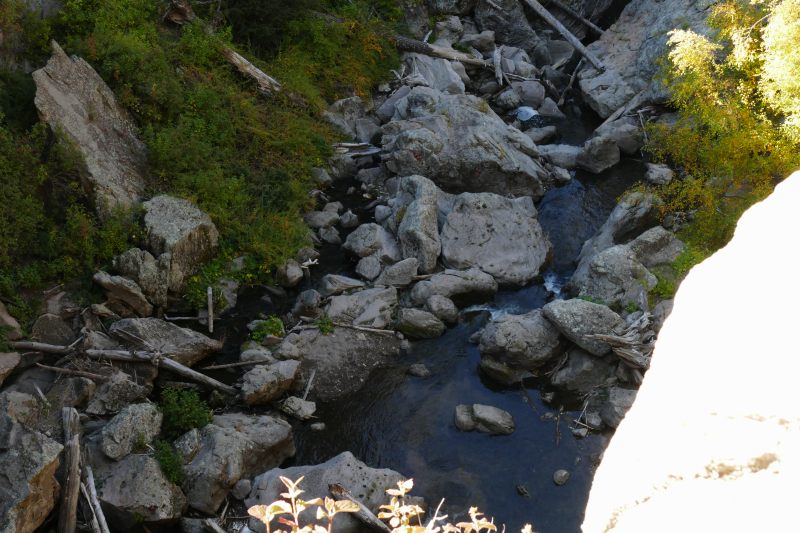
x,y
712,442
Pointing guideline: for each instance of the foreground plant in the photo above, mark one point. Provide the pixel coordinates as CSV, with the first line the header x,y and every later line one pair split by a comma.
x,y
398,512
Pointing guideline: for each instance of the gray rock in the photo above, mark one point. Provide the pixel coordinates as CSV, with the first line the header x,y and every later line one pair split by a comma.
x,y
114,395
483,42
348,220
266,383
499,372
318,426
576,318
342,360
561,155
71,97
371,308
332,285
287,351
369,267
442,308
617,405
485,419
523,342
561,476
419,370
658,174
594,421
289,274
382,213
459,69
448,31
656,246
150,274
614,277
321,219
368,132
136,425
242,489
259,353
437,72
625,132
386,111
307,303
498,235
8,362
136,491
330,236
541,54
367,484
419,324
183,345
633,215
349,110
550,109
542,135
298,408
234,447
50,329
28,463
369,239
460,144
560,175
559,50
418,231
508,99
582,372
322,177
12,331
177,227
462,287
661,312
531,93
187,444
512,28
398,275
125,290
599,154
229,290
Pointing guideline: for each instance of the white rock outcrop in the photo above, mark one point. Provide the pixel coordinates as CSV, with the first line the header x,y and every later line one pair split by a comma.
x,y
723,453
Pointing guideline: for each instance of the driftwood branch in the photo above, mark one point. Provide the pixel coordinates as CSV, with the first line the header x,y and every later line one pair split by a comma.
x,y
68,515
95,377
181,12
233,365
412,45
498,64
360,328
95,503
571,39
365,515
572,78
95,523
40,347
574,14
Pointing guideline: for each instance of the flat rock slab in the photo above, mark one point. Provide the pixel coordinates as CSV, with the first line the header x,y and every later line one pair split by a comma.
x,y
72,97
183,345
577,318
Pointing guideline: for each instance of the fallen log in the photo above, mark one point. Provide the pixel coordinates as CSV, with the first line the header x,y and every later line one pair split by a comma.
x,y
412,45
374,523
95,503
233,365
571,39
40,347
68,514
574,14
96,377
180,12
165,363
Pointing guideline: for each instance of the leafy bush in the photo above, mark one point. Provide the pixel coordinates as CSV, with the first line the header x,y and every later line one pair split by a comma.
x,y
170,461
270,326
325,325
183,410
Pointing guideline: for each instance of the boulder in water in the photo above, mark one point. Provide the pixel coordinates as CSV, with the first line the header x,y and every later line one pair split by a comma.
x,y
577,318
484,418
523,342
462,287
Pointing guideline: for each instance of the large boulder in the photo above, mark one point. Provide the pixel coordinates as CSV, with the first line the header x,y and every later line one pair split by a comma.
x,y
462,287
577,318
50,329
114,394
135,425
625,132
599,154
497,235
631,51
372,307
419,231
582,372
561,155
727,459
149,273
531,93
524,342
28,463
177,227
341,360
372,239
72,98
437,72
135,491
332,284
419,324
234,447
120,288
399,275
510,25
265,383
484,418
656,246
183,345
460,144
365,483
614,277
12,330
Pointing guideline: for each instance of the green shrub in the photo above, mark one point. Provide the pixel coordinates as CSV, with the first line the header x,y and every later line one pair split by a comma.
x,y
325,325
170,461
183,410
270,326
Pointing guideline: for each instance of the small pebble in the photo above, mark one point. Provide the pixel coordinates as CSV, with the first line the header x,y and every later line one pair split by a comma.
x,y
318,426
561,477
580,432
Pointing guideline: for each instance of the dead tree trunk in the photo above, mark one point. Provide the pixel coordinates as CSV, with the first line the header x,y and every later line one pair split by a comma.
x,y
412,45
68,515
569,11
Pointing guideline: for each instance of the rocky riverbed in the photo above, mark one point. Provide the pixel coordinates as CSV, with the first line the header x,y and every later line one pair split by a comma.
x,y
474,313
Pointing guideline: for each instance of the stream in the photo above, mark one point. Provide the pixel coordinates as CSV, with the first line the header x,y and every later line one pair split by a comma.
x,y
405,423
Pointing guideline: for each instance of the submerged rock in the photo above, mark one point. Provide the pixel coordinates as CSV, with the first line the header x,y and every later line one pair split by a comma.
x,y
484,418
523,342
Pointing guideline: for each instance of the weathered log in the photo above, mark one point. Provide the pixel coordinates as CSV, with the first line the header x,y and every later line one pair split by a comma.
x,y
95,524
574,14
40,347
365,515
571,39
361,328
233,365
498,64
68,515
98,511
166,363
181,12
412,45
96,377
